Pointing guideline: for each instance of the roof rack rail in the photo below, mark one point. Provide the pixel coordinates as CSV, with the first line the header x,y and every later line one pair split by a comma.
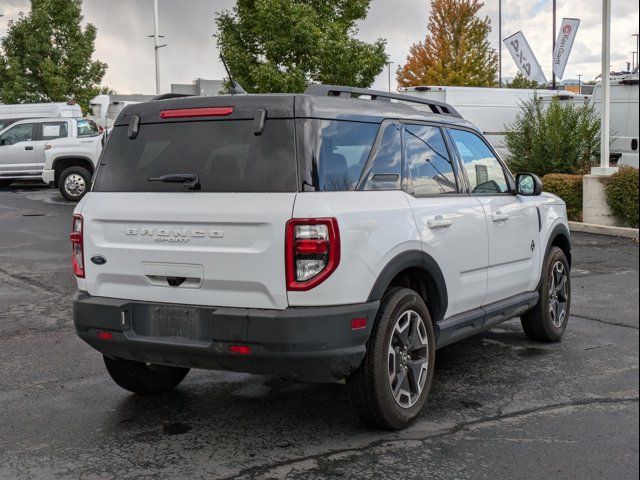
x,y
167,96
354,92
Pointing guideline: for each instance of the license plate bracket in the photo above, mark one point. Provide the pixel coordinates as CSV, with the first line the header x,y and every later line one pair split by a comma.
x,y
168,321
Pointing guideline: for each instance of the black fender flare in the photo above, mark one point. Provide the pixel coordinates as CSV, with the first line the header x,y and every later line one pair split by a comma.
x,y
559,230
414,259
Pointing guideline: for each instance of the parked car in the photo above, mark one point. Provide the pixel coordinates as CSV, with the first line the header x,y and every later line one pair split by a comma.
x,y
316,237
62,152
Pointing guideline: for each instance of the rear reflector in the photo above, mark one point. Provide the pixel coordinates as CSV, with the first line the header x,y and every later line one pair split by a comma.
x,y
358,323
197,112
105,335
240,349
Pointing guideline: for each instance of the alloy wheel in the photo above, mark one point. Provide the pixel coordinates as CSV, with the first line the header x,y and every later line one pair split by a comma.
x,y
408,359
558,294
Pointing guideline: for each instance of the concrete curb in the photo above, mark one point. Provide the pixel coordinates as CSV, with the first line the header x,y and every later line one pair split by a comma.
x,y
604,230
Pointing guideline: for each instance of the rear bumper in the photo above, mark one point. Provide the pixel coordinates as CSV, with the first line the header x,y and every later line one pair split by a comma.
x,y
312,344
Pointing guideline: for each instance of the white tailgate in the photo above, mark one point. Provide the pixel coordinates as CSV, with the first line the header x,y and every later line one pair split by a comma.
x,y
227,248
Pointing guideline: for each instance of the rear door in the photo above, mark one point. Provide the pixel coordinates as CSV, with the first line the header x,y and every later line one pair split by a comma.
x,y
17,150
218,242
513,222
452,224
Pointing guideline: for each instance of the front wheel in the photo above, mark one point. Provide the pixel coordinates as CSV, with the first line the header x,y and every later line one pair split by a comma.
x,y
143,378
74,182
547,321
391,386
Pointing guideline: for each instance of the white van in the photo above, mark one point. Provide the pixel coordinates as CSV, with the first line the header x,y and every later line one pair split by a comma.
x,y
624,117
41,110
490,109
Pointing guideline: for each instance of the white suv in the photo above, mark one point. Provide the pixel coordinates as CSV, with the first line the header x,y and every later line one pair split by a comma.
x,y
343,234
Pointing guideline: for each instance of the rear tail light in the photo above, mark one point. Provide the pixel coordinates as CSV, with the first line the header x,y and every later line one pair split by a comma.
x,y
312,251
77,246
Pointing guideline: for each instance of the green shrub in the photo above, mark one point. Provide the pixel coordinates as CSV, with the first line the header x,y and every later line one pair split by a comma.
x,y
557,138
569,189
622,195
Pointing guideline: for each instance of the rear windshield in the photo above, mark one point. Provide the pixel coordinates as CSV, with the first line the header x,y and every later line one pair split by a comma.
x,y
225,155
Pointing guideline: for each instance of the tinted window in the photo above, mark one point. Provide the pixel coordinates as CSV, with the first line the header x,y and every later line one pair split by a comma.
x,y
17,134
226,155
87,128
53,130
333,153
428,161
386,166
482,167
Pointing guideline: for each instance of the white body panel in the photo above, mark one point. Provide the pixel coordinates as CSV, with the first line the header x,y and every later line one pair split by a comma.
x,y
460,246
40,110
625,113
236,241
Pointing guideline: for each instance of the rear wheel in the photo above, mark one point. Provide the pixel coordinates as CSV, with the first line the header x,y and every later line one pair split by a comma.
x,y
547,321
74,182
391,386
142,378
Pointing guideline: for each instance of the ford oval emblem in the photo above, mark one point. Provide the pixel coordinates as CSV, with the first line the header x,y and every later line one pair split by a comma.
x,y
98,260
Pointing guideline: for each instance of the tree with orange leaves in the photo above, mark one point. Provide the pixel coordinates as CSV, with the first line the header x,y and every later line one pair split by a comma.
x,y
456,50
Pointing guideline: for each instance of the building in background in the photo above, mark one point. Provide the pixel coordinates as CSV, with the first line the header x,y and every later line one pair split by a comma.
x,y
200,87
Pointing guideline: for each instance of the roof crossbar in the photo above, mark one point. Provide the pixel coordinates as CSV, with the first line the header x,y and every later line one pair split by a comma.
x,y
354,92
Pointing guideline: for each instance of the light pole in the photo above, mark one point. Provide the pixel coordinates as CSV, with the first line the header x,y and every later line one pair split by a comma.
x,y
553,47
637,49
389,73
500,43
606,88
633,61
156,35
579,84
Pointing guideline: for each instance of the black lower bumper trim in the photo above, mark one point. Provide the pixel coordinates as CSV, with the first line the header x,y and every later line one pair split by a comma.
x,y
314,344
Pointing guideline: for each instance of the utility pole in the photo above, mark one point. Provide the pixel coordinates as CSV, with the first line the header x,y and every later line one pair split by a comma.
x,y
637,49
156,35
500,43
579,84
389,73
553,47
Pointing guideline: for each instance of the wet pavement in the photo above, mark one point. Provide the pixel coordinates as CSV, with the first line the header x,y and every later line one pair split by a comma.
x,y
501,406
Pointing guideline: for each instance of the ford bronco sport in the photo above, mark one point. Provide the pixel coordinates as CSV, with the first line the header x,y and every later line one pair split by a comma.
x,y
342,234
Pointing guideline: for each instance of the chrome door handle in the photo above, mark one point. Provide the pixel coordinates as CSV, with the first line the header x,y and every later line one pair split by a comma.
x,y
439,222
499,217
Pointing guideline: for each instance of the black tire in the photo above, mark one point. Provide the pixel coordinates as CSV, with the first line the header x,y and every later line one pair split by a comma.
x,y
541,324
5,183
370,387
74,183
144,379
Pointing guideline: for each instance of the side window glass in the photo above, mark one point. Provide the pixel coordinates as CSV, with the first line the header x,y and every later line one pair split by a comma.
x,y
386,168
428,161
53,130
17,134
483,169
87,128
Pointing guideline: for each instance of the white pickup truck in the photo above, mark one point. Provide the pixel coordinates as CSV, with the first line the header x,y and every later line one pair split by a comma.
x,y
63,152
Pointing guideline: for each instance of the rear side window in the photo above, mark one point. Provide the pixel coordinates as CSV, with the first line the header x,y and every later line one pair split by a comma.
x,y
333,153
53,130
226,156
428,161
386,167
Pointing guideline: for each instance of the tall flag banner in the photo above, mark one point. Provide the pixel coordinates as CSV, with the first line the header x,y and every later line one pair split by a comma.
x,y
566,36
523,56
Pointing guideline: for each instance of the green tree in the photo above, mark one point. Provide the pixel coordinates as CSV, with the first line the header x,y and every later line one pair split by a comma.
x,y
520,81
47,56
560,137
284,45
456,50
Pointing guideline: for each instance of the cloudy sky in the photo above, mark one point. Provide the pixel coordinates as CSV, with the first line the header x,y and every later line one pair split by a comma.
x,y
188,26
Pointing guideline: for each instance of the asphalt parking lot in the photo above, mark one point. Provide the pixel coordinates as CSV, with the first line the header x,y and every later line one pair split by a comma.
x,y
501,406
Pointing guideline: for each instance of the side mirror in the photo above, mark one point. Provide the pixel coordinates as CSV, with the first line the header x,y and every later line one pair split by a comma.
x,y
528,185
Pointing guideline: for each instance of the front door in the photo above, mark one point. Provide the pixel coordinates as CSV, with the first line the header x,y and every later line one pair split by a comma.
x,y
17,150
513,222
452,224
